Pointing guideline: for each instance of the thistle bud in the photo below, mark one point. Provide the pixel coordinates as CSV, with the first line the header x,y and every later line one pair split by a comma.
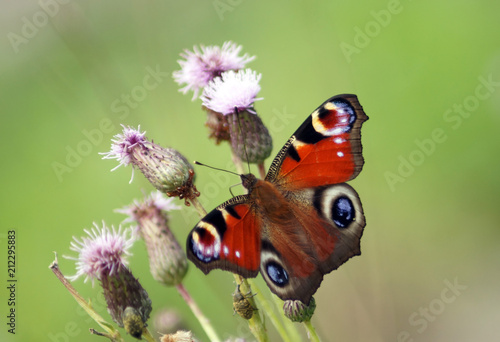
x,y
218,126
102,256
297,311
167,260
229,101
121,291
165,168
250,139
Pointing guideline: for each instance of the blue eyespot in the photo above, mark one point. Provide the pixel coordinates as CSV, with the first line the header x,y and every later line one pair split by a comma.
x,y
342,212
277,273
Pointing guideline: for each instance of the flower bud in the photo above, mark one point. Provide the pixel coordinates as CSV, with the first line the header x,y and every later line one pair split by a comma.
x,y
102,256
167,260
165,168
121,291
217,125
250,139
297,311
229,101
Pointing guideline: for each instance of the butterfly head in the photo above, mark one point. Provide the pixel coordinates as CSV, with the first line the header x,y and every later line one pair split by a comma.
x,y
248,181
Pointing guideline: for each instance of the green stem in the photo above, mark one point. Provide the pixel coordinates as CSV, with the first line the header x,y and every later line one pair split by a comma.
x,y
111,333
255,323
271,313
198,206
290,326
311,332
147,335
205,323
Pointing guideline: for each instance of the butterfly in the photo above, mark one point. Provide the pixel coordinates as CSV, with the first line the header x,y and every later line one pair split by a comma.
x,y
302,221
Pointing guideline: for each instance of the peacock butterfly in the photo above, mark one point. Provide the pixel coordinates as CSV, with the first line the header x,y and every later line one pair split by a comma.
x,y
302,221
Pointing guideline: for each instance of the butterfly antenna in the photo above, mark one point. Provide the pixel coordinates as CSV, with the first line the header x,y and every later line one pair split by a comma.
x,y
241,130
218,169
215,168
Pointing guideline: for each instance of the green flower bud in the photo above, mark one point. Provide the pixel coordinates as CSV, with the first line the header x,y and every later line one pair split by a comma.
x,y
121,291
167,260
165,168
250,139
297,311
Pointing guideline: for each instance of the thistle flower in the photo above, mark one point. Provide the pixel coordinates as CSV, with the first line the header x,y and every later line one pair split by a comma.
x,y
167,260
102,256
229,100
232,90
200,67
297,311
103,251
165,168
123,144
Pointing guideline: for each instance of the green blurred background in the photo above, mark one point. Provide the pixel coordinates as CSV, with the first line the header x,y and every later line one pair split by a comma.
x,y
432,211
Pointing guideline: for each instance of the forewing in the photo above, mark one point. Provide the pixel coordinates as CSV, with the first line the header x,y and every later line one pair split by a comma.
x,y
227,238
325,149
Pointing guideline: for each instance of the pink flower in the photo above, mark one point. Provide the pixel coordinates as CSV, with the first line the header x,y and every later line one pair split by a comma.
x,y
103,252
155,200
123,144
167,260
232,90
200,67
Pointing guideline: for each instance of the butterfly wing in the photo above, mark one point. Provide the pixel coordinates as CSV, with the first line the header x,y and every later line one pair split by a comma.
x,y
325,149
327,218
227,238
323,232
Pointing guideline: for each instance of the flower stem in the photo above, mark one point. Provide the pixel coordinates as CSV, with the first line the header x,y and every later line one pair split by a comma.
x,y
268,309
147,335
238,163
290,326
311,332
262,170
198,206
205,323
111,333
255,323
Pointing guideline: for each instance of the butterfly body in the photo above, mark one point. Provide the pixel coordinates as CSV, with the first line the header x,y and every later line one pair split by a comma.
x,y
302,221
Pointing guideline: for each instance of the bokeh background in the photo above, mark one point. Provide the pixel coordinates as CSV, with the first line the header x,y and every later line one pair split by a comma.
x,y
426,72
